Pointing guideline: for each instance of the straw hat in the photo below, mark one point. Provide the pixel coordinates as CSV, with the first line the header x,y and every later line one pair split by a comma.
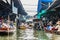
x,y
58,22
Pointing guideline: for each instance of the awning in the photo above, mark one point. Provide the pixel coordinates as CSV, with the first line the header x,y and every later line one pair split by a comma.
x,y
5,6
57,8
18,4
56,3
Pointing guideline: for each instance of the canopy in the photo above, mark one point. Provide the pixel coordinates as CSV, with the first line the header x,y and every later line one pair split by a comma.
x,y
56,3
18,4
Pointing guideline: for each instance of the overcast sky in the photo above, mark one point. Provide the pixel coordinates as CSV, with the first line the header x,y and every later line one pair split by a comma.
x,y
30,6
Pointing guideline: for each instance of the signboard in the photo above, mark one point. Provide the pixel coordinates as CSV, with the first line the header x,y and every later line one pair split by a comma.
x,y
47,0
14,9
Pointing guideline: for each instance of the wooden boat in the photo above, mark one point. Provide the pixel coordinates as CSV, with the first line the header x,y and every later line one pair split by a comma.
x,y
7,29
53,30
22,27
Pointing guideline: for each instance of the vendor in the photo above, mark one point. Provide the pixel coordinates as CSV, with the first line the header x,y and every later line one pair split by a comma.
x,y
1,21
58,26
49,27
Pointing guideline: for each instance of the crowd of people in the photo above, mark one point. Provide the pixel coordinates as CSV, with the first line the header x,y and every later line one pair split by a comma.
x,y
25,25
6,23
40,25
53,27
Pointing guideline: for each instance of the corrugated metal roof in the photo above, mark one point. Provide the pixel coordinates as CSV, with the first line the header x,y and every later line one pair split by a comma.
x,y
56,3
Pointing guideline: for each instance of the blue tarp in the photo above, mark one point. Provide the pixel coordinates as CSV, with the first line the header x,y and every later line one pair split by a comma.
x,y
39,6
47,0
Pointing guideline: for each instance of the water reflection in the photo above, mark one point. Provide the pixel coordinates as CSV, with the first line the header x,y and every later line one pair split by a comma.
x,y
37,35
5,36
27,34
55,37
30,34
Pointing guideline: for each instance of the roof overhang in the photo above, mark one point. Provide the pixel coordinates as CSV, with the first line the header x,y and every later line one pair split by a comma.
x,y
6,6
56,3
18,4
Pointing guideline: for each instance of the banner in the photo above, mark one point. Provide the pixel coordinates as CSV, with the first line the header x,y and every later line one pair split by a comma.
x,y
14,9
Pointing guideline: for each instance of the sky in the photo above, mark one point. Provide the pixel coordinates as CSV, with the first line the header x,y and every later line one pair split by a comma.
x,y
30,6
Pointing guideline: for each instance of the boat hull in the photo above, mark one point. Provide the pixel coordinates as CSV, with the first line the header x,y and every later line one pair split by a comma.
x,y
7,30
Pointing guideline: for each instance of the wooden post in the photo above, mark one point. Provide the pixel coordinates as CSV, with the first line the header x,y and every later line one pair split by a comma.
x,y
2,19
8,25
8,19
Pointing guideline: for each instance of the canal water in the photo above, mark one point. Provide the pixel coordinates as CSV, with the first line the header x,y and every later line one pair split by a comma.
x,y
30,34
6,36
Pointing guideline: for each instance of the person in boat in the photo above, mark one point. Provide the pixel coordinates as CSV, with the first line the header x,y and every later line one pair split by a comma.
x,y
49,27
1,21
11,24
26,25
22,26
41,24
8,24
45,26
5,24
